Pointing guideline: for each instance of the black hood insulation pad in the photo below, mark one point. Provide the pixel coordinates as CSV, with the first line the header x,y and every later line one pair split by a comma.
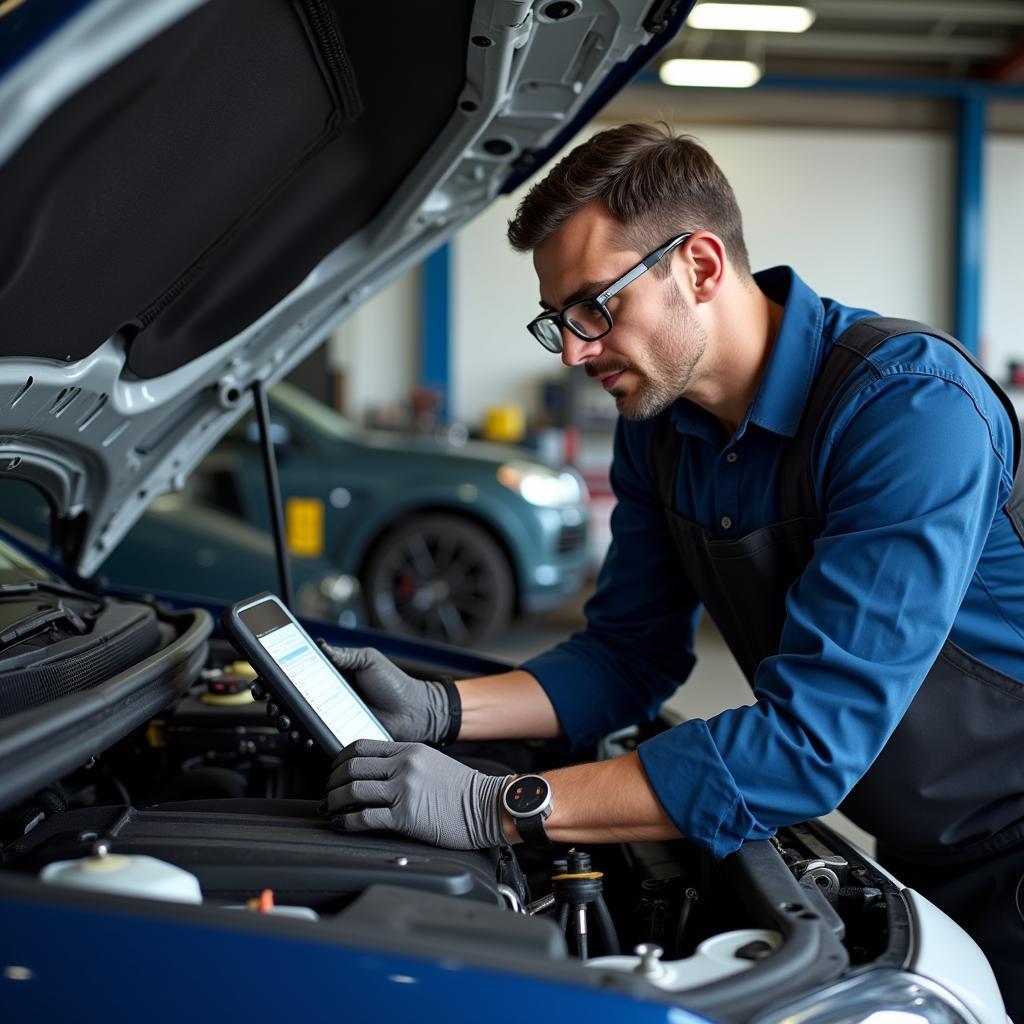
x,y
183,193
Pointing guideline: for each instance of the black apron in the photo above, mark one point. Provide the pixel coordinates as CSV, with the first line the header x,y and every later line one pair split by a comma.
x,y
947,791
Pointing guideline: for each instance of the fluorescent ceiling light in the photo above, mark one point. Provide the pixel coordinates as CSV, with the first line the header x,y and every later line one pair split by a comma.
x,y
751,17
721,74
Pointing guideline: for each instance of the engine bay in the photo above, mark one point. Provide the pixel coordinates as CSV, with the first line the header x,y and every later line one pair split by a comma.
x,y
208,801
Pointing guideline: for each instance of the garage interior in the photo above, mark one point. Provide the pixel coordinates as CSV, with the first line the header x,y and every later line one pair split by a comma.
x,y
879,151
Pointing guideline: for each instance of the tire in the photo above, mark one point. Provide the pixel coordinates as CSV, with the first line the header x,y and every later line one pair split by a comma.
x,y
439,577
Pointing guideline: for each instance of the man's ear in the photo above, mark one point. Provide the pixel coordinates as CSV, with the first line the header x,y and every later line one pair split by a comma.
x,y
703,260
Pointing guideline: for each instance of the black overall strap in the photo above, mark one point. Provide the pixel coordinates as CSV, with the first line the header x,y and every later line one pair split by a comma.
x,y
855,344
664,450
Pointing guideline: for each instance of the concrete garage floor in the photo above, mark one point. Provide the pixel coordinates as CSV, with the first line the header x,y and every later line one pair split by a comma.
x,y
716,682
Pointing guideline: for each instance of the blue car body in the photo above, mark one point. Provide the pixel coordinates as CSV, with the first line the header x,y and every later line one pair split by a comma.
x,y
266,974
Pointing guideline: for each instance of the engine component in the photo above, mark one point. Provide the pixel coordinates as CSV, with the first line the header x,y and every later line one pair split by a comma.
x,y
125,875
716,958
265,904
577,889
822,876
237,847
56,643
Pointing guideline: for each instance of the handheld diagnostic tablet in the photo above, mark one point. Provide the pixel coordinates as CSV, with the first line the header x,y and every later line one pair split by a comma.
x,y
298,674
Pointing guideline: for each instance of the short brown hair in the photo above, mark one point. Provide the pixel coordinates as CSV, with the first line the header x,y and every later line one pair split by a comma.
x,y
654,183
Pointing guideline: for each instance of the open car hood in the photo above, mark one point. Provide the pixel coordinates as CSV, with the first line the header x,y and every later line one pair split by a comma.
x,y
196,194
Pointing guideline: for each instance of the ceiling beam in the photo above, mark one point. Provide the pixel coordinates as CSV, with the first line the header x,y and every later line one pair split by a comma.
x,y
975,12
936,88
866,44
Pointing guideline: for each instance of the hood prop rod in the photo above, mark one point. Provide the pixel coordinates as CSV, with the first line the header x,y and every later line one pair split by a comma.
x,y
259,393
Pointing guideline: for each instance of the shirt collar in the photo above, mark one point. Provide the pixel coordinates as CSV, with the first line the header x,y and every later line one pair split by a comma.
x,y
782,394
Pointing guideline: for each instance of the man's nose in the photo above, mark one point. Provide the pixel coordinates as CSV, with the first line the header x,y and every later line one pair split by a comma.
x,y
575,350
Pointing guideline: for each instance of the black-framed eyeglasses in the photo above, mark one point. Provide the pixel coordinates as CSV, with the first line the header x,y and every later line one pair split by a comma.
x,y
589,319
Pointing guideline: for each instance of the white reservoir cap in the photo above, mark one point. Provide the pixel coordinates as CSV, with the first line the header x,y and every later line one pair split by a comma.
x,y
126,875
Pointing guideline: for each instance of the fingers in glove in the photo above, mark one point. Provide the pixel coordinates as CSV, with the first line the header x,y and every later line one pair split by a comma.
x,y
364,759
375,769
369,748
358,795
366,820
349,659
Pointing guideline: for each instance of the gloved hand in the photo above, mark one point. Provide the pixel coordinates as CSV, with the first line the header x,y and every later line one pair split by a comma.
x,y
416,791
410,709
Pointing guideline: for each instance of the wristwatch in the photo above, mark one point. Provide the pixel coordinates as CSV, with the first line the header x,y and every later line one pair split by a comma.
x,y
528,800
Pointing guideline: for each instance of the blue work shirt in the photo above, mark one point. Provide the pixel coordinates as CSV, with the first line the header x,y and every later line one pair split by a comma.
x,y
911,476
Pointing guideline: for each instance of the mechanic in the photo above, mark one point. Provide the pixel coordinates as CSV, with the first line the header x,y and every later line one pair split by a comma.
x,y
838,492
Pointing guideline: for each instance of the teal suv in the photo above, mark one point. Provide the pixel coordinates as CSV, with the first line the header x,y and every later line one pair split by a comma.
x,y
449,542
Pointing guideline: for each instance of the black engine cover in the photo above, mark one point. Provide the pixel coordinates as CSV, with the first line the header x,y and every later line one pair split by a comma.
x,y
237,848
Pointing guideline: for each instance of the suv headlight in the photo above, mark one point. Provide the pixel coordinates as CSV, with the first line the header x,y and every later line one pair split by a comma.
x,y
542,485
881,997
333,598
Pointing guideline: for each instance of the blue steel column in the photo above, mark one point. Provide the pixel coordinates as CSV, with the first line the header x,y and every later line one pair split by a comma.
x,y
435,359
970,151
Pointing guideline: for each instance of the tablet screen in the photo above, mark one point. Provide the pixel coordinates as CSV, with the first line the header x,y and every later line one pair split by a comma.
x,y
331,699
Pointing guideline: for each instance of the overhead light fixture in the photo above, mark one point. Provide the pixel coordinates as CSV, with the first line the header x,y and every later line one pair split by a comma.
x,y
751,17
718,74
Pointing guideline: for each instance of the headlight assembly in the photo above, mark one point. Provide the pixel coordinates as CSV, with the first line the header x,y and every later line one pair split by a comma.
x,y
880,997
542,485
333,598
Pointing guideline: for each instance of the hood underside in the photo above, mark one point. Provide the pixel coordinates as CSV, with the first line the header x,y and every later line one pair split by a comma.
x,y
196,194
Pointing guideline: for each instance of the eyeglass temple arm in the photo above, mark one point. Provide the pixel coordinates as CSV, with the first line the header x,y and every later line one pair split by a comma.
x,y
622,282
641,268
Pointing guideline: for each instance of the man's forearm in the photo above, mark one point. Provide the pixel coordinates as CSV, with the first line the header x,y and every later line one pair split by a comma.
x,y
602,802
605,801
506,707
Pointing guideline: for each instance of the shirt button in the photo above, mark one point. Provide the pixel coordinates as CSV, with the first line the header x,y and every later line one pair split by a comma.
x,y
731,457
726,523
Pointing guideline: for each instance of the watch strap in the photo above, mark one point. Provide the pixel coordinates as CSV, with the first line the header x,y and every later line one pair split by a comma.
x,y
532,831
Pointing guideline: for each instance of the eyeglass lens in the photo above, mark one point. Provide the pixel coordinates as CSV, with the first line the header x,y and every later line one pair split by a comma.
x,y
587,319
548,333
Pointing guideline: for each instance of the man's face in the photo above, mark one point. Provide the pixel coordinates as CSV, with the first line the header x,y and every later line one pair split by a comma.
x,y
649,357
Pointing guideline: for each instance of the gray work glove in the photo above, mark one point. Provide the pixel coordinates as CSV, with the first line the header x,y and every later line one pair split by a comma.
x,y
416,791
410,709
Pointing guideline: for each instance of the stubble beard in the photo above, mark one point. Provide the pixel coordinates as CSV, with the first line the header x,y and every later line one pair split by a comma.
x,y
673,354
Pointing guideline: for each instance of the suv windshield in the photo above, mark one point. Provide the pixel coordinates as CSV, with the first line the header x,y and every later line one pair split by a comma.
x,y
321,417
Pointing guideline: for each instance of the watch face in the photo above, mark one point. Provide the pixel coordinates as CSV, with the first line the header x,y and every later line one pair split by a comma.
x,y
526,795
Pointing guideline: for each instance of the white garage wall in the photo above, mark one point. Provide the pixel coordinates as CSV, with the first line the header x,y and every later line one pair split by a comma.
x,y
377,348
865,216
494,295
1002,332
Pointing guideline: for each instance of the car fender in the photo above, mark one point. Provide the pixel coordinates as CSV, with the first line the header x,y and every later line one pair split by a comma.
x,y
516,534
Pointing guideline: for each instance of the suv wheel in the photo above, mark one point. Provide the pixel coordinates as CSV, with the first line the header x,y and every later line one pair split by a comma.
x,y
439,577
